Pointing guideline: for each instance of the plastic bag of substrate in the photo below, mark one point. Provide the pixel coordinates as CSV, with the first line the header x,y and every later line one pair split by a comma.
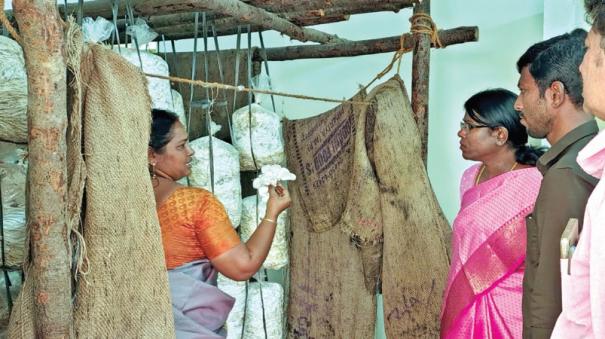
x,y
13,171
278,254
227,187
270,307
13,92
267,140
159,89
14,237
236,289
178,108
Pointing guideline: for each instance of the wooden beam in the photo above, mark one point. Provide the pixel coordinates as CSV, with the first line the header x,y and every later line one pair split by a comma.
x,y
183,24
243,13
298,17
354,48
420,78
228,26
41,30
102,8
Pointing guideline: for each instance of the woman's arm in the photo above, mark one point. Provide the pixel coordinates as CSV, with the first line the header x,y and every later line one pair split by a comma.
x,y
245,259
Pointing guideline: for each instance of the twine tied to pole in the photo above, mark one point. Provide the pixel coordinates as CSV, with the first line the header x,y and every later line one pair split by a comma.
x,y
421,24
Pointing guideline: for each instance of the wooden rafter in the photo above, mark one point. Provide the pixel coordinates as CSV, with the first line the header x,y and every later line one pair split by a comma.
x,y
224,26
103,7
244,13
354,48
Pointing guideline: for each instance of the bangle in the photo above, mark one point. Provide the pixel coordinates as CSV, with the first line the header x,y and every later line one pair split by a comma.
x,y
270,220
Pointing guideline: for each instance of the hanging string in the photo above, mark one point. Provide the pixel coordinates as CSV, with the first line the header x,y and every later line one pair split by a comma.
x,y
130,12
7,25
266,62
252,90
236,74
222,78
210,102
176,66
166,58
193,68
114,15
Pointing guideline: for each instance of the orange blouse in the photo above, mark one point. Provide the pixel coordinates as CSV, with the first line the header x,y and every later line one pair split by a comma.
x,y
194,226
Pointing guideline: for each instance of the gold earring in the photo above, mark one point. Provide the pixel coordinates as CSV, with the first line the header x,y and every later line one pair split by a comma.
x,y
152,171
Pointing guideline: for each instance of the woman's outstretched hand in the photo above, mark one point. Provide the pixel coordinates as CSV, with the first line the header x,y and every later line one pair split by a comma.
x,y
279,200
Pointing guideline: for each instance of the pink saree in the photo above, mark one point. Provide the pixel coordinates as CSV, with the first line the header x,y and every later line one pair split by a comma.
x,y
483,294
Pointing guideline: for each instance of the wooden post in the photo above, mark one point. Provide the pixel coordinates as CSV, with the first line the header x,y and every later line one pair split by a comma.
x,y
420,78
43,43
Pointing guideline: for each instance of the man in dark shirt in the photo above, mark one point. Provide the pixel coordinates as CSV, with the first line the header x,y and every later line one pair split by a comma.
x,y
550,105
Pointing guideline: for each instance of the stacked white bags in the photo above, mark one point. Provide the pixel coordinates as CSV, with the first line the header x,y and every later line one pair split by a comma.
x,y
270,307
278,254
13,92
159,89
267,140
227,187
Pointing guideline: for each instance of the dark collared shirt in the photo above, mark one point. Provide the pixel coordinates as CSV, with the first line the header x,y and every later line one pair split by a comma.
x,y
563,195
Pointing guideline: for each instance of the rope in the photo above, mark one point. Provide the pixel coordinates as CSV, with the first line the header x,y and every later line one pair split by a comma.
x,y
246,89
8,26
419,26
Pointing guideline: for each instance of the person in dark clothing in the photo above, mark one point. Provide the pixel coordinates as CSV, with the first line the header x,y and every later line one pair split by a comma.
x,y
551,106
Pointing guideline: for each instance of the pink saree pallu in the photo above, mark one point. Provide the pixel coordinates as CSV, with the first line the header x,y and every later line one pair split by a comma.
x,y
483,294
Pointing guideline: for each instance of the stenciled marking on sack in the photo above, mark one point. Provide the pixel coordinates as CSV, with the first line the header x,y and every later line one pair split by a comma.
x,y
334,145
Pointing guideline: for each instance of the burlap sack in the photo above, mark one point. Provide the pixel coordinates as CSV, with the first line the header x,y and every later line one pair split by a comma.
x,y
125,293
327,297
416,235
328,155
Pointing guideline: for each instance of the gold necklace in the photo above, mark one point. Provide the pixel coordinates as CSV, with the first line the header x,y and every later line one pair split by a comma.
x,y
483,169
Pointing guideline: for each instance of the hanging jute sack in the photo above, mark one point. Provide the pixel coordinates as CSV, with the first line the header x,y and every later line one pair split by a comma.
x,y
327,297
125,293
416,234
338,186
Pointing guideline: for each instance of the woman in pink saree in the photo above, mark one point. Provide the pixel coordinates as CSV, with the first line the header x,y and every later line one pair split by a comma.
x,y
483,294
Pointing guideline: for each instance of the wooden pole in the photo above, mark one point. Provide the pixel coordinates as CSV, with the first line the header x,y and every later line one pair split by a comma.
x,y
102,8
244,13
228,26
43,42
354,48
420,78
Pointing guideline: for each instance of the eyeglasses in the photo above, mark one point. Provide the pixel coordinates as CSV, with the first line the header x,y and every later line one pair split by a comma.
x,y
465,126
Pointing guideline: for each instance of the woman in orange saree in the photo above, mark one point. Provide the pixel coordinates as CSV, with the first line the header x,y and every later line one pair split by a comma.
x,y
197,236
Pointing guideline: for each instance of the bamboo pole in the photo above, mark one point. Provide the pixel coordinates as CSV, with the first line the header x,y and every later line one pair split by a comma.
x,y
43,42
420,78
354,48
244,13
